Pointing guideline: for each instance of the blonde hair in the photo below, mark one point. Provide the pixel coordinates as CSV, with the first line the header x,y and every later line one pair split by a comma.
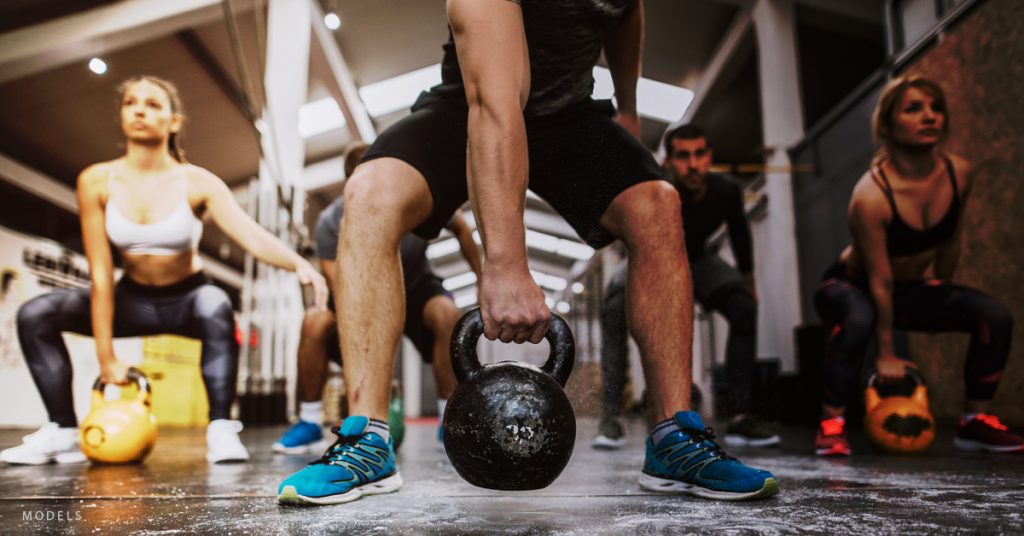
x,y
173,141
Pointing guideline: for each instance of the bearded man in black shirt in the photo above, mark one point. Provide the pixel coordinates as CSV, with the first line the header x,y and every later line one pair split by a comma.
x,y
709,201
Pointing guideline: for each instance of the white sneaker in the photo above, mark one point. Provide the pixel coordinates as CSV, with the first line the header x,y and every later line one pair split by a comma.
x,y
49,444
223,443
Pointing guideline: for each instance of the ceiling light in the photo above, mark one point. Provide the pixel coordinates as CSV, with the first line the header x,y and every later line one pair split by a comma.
x,y
98,66
562,307
332,21
577,288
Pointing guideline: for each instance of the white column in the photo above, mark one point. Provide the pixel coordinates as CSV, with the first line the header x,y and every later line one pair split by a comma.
x,y
782,121
286,83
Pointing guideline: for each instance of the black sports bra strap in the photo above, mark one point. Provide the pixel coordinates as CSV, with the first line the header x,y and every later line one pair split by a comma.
x,y
886,188
951,171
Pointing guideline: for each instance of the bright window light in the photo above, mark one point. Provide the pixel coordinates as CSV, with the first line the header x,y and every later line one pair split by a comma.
x,y
656,100
320,116
465,299
558,246
459,281
574,250
98,66
332,21
541,241
550,282
393,94
442,248
562,307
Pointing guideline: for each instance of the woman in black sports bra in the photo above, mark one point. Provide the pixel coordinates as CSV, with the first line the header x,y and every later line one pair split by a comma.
x,y
905,215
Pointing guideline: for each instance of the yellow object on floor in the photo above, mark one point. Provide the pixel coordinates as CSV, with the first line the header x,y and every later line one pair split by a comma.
x,y
173,366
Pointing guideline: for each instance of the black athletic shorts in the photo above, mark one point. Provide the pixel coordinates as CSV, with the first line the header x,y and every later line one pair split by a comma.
x,y
415,328
580,160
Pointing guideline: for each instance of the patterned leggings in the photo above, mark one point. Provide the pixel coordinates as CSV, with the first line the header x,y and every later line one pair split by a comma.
x,y
191,308
929,305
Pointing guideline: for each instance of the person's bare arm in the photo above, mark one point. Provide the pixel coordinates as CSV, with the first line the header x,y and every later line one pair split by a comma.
x,y
251,236
464,234
868,217
623,50
330,270
491,43
101,271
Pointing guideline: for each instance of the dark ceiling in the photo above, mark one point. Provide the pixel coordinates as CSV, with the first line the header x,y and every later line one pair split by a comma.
x,y
60,120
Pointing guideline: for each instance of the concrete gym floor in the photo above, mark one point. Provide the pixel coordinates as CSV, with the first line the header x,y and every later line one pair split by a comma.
x,y
177,492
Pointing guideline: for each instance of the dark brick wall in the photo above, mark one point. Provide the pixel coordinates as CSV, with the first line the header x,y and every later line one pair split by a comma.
x,y
979,64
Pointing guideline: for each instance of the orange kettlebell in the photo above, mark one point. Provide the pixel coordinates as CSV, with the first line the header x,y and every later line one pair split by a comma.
x,y
119,431
899,423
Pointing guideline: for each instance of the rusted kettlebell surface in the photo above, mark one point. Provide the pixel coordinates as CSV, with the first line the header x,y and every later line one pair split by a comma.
x,y
509,426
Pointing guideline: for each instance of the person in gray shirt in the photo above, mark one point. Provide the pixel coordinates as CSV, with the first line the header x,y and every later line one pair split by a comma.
x,y
430,316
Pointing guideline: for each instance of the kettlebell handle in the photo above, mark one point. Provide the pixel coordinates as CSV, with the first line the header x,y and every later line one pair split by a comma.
x,y
135,376
470,327
910,372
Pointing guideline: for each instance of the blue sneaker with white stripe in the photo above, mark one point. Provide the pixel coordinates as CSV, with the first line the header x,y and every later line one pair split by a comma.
x,y
689,461
358,463
303,437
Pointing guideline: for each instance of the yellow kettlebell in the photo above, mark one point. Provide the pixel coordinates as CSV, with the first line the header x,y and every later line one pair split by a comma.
x,y
119,431
901,424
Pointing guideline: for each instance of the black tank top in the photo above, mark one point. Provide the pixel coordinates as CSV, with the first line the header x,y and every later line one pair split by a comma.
x,y
564,38
903,240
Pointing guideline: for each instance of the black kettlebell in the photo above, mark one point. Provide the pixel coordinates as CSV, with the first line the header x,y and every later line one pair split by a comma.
x,y
509,426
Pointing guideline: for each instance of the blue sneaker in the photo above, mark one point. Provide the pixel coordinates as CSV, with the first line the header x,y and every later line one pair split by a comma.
x,y
357,464
302,438
689,461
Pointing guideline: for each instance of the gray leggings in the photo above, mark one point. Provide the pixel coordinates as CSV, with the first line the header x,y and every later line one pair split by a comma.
x,y
192,308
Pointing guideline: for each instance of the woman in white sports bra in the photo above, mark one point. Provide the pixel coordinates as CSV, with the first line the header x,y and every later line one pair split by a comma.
x,y
146,204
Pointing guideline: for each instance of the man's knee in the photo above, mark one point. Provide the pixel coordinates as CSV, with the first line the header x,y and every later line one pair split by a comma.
x,y
650,202
646,215
440,315
317,324
388,194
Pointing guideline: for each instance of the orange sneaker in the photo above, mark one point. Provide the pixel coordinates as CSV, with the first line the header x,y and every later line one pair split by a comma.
x,y
831,440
